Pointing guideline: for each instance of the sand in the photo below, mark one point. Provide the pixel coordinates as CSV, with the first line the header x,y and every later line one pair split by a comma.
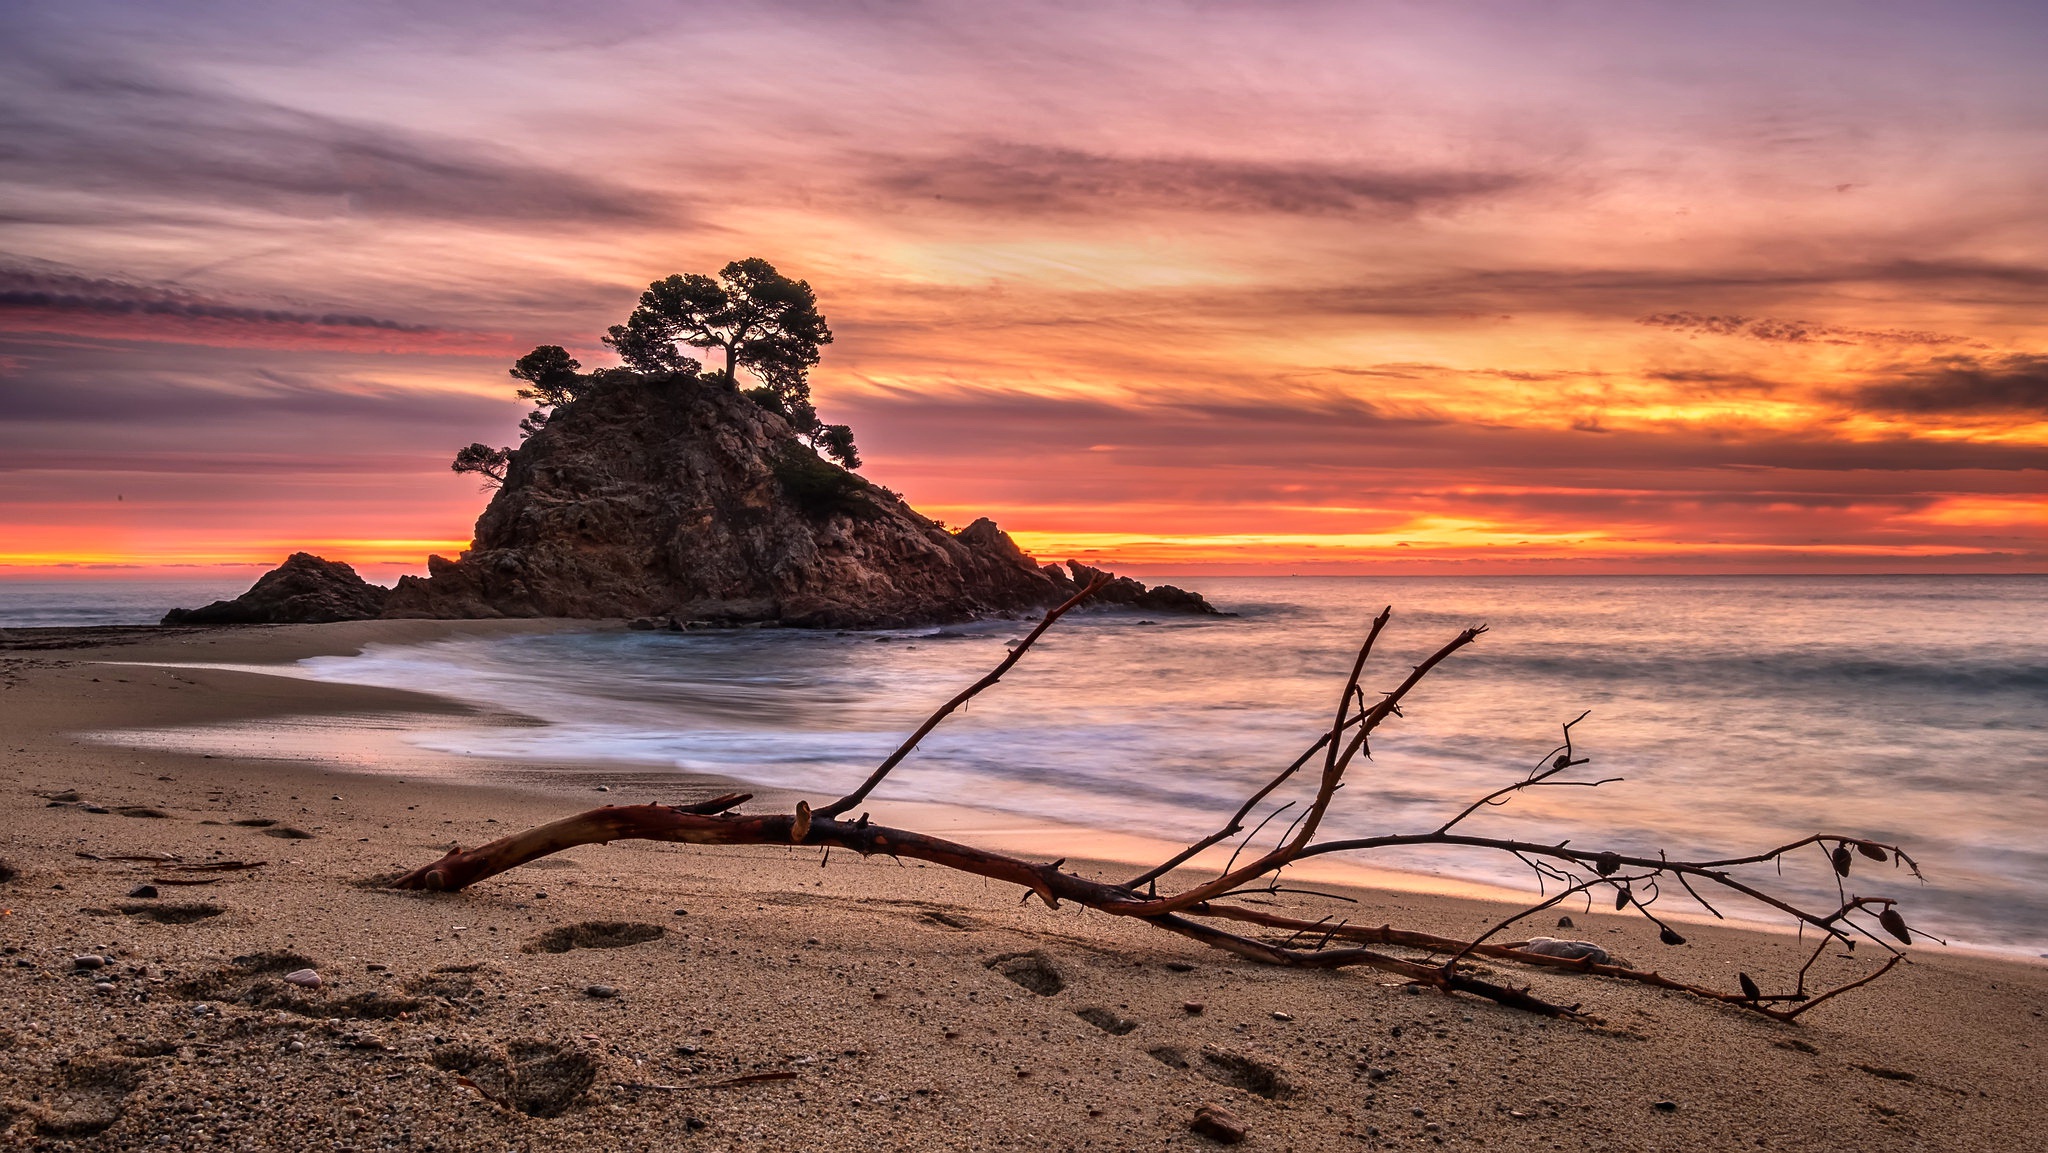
x,y
768,1001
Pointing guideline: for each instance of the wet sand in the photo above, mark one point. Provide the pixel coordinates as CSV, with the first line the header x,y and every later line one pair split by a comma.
x,y
770,999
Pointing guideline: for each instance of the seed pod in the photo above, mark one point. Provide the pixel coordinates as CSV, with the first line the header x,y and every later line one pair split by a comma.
x,y
1842,858
1670,936
1607,864
1563,761
1873,852
1895,925
1749,988
1621,898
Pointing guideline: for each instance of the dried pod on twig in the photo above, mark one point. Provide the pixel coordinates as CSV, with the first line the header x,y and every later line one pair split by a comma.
x,y
1842,857
1621,898
1749,988
1895,925
1607,864
1873,852
1670,936
1563,761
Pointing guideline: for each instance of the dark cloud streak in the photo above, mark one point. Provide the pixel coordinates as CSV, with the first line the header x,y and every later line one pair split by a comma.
x,y
47,292
114,130
1031,180
2016,384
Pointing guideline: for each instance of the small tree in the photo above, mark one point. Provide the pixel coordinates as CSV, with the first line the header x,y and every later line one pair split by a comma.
x,y
552,373
762,320
756,315
489,463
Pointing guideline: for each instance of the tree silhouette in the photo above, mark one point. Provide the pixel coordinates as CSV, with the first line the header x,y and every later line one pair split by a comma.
x,y
552,373
482,459
761,319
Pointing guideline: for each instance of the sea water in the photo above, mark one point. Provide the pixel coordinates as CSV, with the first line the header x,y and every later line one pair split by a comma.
x,y
1739,713
85,602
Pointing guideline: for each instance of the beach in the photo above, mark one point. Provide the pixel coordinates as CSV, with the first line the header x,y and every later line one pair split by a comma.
x,y
772,999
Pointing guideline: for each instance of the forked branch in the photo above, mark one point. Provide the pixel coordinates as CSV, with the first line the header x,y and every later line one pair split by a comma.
x,y
1632,881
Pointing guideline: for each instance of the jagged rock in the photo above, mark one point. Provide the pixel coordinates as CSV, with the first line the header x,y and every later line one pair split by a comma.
x,y
680,500
1125,591
303,590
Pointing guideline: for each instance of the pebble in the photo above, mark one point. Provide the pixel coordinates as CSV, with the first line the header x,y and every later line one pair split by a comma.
x,y
87,961
143,891
601,992
1218,1124
303,978
1564,922
103,986
1193,1008
1279,1016
1666,1106
294,1046
604,788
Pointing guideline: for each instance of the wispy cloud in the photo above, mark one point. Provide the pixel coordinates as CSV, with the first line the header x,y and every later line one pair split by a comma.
x,y
42,292
135,137
1770,329
1027,179
1968,385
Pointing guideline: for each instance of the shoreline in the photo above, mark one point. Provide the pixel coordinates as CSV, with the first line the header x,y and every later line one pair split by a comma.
x,y
375,742
868,981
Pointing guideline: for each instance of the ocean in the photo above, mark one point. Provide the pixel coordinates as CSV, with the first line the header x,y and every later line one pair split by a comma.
x,y
1740,713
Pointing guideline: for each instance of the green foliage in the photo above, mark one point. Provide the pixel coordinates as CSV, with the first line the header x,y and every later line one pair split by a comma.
x,y
820,490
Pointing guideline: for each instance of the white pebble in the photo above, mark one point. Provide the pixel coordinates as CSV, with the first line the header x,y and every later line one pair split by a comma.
x,y
303,978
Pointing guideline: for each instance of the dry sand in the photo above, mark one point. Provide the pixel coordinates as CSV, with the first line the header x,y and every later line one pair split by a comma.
x,y
859,996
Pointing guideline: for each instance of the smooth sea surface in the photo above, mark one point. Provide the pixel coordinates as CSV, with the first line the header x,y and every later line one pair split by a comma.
x,y
1742,712
81,603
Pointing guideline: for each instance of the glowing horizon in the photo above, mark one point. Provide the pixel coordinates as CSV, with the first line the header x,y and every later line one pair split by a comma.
x,y
1384,288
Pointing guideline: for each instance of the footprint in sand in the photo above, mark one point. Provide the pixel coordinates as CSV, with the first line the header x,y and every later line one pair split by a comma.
x,y
1033,970
88,1096
594,935
538,1078
174,913
258,981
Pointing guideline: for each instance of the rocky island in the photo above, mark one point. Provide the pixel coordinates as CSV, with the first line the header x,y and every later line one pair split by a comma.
x,y
663,492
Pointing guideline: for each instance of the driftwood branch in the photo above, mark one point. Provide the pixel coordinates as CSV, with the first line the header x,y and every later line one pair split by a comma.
x,y
1197,911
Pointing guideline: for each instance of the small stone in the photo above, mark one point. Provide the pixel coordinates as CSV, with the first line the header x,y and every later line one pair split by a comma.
x,y
1218,1124
1279,1016
604,788
103,986
1192,1008
335,797
1666,1106
540,896
303,978
686,912
601,992
143,891
1564,922
294,1046
88,961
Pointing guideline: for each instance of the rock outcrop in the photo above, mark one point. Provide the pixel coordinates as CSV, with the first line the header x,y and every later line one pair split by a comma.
x,y
679,498
303,590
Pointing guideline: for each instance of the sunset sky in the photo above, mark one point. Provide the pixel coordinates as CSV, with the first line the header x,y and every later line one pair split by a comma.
x,y
1253,287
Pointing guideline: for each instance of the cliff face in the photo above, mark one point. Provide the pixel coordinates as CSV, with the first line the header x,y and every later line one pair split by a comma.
x,y
682,498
